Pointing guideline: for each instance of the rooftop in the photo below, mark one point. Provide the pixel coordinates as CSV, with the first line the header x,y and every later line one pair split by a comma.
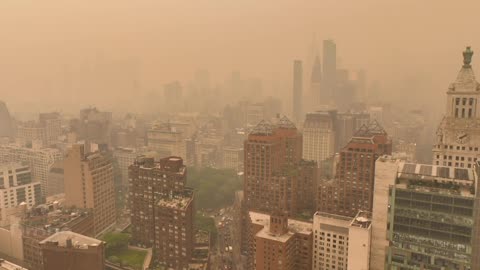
x,y
77,240
294,227
6,265
179,200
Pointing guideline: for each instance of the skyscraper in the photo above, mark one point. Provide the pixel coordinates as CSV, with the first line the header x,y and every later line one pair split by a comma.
x,y
458,135
297,90
329,72
319,136
276,176
355,173
316,84
425,216
89,184
6,124
161,209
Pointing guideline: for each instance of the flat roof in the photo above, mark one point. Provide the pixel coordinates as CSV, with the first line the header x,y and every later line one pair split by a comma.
x,y
294,226
78,240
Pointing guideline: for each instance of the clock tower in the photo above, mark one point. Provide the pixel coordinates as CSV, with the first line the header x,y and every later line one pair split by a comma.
x,y
458,135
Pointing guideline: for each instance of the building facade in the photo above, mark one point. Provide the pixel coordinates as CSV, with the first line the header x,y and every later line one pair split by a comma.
x,y
40,161
353,188
277,242
161,209
427,217
69,250
297,90
341,243
458,135
275,176
16,190
319,136
89,184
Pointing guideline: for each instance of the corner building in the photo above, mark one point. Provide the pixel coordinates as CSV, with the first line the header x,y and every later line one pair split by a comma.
x,y
426,217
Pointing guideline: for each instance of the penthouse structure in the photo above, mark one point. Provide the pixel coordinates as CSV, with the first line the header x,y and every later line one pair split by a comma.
x,y
277,242
425,217
161,209
341,242
73,251
6,265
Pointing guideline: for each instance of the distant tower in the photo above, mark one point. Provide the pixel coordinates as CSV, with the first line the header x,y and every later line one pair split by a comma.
x,y
6,129
315,83
297,90
329,71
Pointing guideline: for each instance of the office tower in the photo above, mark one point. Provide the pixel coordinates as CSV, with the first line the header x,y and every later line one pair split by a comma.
x,y
56,178
6,265
39,160
277,242
319,136
341,242
345,92
426,217
346,124
458,138
161,209
316,84
297,90
89,184
329,72
166,140
233,158
17,190
52,122
6,123
73,251
355,173
94,126
124,158
31,133
275,174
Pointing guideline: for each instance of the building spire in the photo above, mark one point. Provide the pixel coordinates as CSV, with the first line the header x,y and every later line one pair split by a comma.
x,y
467,57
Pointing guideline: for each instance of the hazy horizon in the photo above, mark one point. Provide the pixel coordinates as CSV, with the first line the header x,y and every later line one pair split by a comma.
x,y
60,55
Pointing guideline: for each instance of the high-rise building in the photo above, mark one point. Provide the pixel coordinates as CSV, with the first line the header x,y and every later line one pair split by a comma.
x,y
297,90
329,72
341,242
94,126
89,184
6,123
316,84
40,161
427,217
458,138
346,124
355,173
277,242
73,251
233,158
166,140
17,189
161,209
56,179
275,173
319,136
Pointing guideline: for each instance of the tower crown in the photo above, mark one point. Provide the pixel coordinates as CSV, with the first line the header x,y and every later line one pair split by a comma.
x,y
467,57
